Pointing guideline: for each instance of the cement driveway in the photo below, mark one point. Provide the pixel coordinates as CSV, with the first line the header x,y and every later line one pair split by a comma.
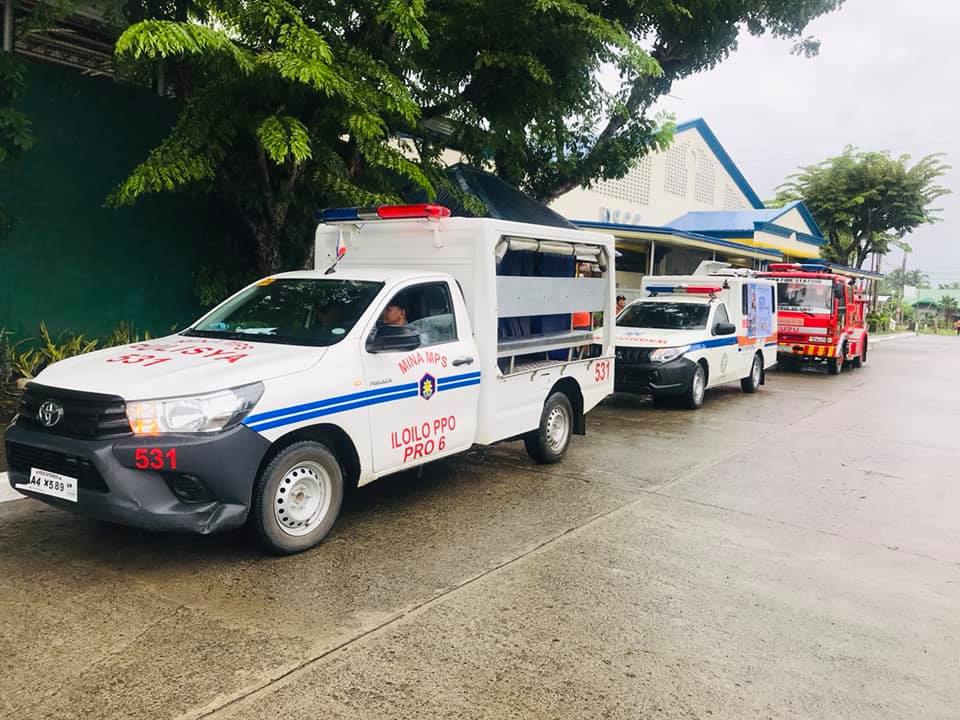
x,y
793,554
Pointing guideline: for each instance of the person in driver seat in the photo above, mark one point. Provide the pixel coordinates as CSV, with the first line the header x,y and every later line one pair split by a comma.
x,y
394,314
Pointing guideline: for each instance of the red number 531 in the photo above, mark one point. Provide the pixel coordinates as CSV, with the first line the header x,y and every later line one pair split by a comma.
x,y
155,459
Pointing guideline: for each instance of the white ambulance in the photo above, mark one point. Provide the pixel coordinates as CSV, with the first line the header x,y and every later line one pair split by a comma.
x,y
690,333
417,336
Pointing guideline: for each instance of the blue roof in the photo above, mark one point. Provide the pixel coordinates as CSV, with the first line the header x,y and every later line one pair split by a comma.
x,y
726,161
723,221
738,222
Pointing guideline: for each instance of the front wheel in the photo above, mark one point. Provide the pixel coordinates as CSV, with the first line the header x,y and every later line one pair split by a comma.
x,y
835,364
752,381
548,443
698,386
297,498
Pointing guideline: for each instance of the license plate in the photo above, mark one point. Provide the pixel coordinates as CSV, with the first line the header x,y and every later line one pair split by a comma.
x,y
51,483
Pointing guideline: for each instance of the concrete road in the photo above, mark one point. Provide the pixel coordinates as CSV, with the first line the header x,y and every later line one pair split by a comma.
x,y
792,554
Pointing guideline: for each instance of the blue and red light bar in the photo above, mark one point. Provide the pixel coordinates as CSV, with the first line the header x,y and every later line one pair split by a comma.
x,y
383,212
684,289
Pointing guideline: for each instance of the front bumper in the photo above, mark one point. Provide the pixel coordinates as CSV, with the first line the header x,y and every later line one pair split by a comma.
x,y
208,491
805,351
657,379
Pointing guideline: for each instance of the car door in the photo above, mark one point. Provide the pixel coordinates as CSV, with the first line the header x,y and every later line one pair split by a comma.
x,y
432,390
725,364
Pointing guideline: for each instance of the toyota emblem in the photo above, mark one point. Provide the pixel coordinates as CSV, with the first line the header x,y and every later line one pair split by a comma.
x,y
50,413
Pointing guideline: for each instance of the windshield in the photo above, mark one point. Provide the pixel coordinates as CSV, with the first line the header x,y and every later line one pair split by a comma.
x,y
809,295
665,316
294,311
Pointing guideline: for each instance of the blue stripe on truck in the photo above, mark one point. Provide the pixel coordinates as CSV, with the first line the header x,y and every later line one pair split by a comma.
x,y
352,401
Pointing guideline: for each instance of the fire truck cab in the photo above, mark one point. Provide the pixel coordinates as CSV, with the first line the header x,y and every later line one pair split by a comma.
x,y
821,317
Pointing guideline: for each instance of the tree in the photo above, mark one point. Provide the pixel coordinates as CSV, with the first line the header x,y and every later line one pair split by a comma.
x,y
16,135
290,104
948,304
286,107
949,286
867,202
522,81
896,278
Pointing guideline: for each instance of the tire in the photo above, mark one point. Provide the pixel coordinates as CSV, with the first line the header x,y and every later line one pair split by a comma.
x,y
751,383
860,359
548,443
297,498
835,364
693,398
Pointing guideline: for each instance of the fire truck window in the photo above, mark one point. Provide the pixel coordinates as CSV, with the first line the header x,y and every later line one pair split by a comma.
x,y
721,315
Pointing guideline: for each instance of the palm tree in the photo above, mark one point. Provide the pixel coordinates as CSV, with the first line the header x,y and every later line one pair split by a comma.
x,y
948,304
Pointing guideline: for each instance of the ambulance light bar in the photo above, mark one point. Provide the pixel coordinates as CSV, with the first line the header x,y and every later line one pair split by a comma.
x,y
383,212
686,289
803,267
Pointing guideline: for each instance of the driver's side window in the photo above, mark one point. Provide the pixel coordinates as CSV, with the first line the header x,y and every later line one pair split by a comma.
x,y
425,309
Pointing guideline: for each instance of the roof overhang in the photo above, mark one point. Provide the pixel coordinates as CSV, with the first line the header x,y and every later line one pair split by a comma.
x,y
679,238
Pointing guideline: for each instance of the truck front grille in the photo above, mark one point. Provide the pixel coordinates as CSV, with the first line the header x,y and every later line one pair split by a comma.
x,y
85,415
633,355
21,458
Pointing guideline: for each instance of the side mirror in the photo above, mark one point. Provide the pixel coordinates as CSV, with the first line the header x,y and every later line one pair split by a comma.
x,y
391,338
724,328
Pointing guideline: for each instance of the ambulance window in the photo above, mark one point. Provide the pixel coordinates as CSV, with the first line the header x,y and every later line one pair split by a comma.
x,y
721,314
425,308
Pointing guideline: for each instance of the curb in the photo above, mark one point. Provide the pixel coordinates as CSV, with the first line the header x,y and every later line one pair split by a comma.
x,y
886,338
7,493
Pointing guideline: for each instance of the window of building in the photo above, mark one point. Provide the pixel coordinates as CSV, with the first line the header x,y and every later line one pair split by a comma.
x,y
634,187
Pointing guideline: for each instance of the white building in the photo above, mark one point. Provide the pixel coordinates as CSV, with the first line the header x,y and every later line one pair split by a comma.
x,y
687,204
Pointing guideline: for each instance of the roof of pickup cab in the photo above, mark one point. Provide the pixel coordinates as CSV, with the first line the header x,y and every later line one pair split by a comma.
x,y
359,274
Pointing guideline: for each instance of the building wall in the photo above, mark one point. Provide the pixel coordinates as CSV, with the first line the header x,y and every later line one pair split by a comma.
x,y
70,261
794,221
663,186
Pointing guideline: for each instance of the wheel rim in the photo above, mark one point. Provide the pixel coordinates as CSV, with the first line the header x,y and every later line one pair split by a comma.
x,y
698,386
755,373
558,428
302,498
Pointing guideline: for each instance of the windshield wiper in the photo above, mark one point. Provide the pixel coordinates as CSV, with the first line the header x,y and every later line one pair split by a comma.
x,y
217,334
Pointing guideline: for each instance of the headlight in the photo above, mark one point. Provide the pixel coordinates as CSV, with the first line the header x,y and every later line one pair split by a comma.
x,y
667,354
194,414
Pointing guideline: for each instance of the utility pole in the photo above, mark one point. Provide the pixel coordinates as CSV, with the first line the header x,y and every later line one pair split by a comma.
x,y
903,282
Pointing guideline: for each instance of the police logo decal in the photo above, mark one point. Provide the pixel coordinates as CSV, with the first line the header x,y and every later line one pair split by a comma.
x,y
428,386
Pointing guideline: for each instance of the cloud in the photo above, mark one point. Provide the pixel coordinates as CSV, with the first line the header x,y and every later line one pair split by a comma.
x,y
885,79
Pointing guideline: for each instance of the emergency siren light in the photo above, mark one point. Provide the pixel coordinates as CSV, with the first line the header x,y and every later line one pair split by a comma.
x,y
684,289
382,212
803,267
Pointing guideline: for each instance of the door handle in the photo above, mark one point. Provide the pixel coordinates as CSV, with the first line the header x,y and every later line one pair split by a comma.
x,y
463,361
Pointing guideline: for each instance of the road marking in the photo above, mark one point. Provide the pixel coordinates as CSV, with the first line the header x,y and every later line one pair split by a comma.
x,y
7,493
884,338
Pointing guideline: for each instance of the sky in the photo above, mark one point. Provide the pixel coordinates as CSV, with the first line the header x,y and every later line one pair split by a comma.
x,y
887,78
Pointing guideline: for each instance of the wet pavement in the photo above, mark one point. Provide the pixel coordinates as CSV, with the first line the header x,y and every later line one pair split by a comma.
x,y
791,554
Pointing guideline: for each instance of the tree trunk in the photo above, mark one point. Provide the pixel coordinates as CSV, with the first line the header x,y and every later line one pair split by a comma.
x,y
267,239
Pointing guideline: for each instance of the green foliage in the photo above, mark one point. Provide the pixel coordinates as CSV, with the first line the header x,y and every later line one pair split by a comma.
x,y
896,278
867,202
949,286
16,134
294,104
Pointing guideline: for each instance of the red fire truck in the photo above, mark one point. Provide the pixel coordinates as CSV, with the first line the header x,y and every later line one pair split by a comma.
x,y
821,317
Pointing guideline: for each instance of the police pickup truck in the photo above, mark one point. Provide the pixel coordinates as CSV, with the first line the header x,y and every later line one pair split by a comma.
x,y
416,336
693,332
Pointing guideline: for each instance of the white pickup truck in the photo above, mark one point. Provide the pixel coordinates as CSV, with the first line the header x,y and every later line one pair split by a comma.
x,y
417,336
690,333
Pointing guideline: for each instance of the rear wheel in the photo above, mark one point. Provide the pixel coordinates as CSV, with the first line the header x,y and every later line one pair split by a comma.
x,y
751,382
860,359
297,498
698,387
548,443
